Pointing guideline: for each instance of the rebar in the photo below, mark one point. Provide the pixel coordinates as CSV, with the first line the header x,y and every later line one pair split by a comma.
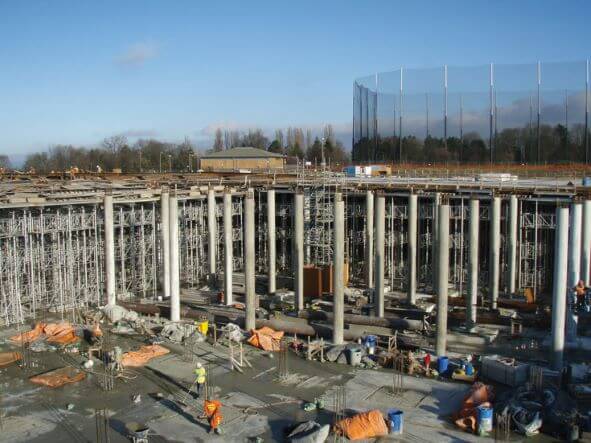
x,y
283,371
102,423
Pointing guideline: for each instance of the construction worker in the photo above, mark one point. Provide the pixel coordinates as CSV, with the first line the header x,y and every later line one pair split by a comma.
x,y
213,412
581,291
199,378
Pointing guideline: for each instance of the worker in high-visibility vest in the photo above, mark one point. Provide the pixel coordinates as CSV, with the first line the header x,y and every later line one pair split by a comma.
x,y
213,412
199,378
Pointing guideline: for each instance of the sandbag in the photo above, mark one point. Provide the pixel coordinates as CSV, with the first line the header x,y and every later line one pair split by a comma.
x,y
266,338
143,355
59,377
9,358
361,426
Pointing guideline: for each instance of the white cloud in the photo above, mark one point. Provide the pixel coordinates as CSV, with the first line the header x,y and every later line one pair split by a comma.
x,y
136,55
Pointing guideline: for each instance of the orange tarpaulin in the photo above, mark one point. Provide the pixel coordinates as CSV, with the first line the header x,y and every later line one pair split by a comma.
x,y
28,337
143,355
60,333
361,426
266,338
59,377
479,395
8,358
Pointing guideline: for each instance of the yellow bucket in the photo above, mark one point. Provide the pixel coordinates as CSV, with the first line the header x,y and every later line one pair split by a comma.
x,y
203,327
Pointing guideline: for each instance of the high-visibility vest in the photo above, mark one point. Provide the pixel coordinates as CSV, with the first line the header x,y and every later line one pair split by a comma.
x,y
200,374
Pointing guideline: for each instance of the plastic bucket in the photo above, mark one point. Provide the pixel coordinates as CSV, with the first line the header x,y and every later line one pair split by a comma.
x,y
396,421
469,369
442,364
355,356
485,419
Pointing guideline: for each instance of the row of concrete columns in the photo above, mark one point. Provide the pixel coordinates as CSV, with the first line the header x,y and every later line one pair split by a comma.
x,y
576,248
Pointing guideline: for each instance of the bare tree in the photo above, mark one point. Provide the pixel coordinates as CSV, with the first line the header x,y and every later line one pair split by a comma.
x,y
115,143
4,162
218,144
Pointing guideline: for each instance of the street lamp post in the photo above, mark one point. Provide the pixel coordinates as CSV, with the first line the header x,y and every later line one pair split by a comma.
x,y
169,163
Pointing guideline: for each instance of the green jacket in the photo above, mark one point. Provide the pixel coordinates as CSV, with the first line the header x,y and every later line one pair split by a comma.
x,y
200,374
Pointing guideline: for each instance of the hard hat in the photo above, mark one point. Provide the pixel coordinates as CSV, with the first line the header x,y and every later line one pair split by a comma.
x,y
199,365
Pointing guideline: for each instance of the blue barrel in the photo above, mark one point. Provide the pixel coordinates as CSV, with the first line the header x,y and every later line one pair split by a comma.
x,y
396,420
586,181
469,369
442,364
485,419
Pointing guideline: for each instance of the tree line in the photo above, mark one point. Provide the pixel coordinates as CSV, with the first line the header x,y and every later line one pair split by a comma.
x,y
552,144
151,155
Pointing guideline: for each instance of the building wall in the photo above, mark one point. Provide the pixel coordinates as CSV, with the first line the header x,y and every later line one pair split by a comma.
x,y
217,164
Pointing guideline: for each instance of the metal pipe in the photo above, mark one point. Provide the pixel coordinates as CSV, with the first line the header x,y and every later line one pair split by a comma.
x,y
369,264
495,248
110,250
472,294
412,249
249,260
442,274
165,242
512,245
271,242
228,247
175,293
559,288
380,221
338,269
299,248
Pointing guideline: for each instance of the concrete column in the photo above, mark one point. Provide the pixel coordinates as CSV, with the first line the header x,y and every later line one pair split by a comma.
x,y
495,250
442,278
271,242
472,295
512,245
380,221
559,287
412,249
338,269
436,202
110,250
369,265
249,260
175,290
299,248
586,245
211,232
574,244
228,247
165,241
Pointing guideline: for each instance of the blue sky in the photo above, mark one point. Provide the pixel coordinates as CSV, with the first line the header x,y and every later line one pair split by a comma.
x,y
79,71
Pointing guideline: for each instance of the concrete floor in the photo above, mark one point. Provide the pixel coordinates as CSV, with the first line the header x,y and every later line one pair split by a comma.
x,y
255,403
